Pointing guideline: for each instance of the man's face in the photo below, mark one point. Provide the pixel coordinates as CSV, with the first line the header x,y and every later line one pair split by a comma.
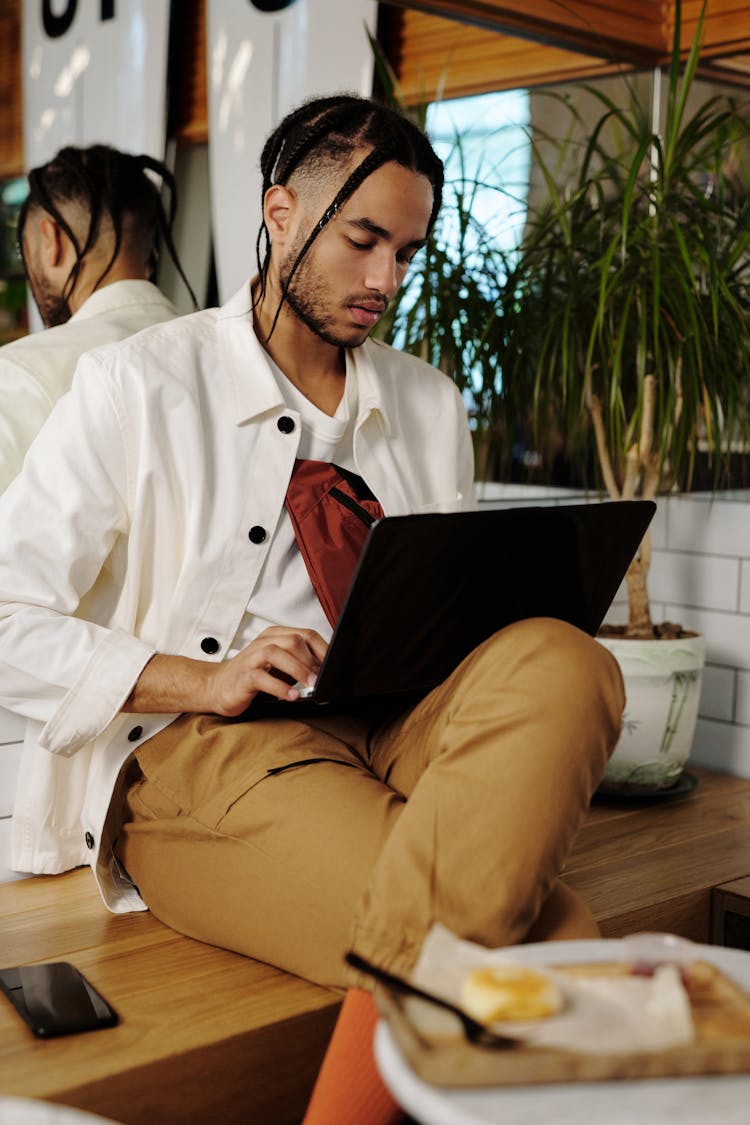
x,y
358,261
53,308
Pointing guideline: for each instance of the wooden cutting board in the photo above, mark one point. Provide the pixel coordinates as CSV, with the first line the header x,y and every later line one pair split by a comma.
x,y
433,1041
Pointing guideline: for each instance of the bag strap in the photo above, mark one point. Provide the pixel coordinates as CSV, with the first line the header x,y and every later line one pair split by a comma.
x,y
331,510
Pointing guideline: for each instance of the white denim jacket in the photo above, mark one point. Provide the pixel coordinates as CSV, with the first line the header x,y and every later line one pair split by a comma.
x,y
126,534
37,369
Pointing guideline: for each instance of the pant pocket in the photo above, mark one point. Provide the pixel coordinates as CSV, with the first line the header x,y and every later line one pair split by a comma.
x,y
306,762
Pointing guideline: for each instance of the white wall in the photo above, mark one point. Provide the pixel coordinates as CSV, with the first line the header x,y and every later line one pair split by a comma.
x,y
11,733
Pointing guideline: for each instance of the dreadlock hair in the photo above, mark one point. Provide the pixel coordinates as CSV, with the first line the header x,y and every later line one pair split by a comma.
x,y
325,132
106,185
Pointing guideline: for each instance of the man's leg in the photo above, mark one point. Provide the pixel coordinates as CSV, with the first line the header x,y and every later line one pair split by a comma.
x,y
261,836
498,765
257,836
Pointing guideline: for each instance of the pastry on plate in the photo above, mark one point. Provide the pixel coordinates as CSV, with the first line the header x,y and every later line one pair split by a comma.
x,y
508,991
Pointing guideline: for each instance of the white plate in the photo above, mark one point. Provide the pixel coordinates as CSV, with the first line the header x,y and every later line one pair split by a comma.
x,y
667,1101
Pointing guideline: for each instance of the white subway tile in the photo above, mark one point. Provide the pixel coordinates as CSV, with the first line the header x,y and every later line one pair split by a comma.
x,y
704,581
718,693
658,525
10,757
659,612
745,587
711,526
742,708
727,634
721,746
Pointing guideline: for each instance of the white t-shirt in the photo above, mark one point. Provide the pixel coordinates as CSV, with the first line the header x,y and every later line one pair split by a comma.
x,y
284,594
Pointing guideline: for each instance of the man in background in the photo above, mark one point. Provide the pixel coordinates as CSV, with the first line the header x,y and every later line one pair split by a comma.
x,y
87,236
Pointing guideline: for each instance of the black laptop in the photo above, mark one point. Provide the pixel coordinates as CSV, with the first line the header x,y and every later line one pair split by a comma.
x,y
429,588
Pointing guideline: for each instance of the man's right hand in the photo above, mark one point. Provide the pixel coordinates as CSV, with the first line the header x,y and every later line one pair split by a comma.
x,y
171,684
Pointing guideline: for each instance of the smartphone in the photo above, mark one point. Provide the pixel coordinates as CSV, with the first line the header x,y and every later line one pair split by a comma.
x,y
56,999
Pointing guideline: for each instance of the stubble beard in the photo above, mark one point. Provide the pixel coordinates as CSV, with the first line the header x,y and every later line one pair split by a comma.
x,y
309,298
54,309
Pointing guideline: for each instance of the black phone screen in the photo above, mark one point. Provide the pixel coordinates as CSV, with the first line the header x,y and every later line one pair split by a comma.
x,y
56,999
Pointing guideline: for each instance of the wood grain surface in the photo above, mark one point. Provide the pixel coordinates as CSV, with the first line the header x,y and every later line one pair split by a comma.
x,y
645,865
205,1035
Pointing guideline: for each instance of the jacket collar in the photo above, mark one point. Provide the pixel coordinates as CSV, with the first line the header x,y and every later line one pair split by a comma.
x,y
121,294
254,388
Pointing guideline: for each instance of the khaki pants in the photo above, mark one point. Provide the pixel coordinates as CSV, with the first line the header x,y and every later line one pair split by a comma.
x,y
294,840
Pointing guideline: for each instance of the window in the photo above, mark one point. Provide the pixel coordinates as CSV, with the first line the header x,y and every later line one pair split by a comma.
x,y
447,311
493,149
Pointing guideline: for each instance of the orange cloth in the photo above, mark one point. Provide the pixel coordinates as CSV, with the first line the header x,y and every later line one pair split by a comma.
x,y
349,1087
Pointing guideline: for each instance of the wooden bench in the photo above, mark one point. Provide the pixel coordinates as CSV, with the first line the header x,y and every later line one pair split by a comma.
x,y
645,866
209,1036
205,1035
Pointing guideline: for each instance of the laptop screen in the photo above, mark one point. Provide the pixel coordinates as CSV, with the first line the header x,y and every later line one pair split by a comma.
x,y
429,588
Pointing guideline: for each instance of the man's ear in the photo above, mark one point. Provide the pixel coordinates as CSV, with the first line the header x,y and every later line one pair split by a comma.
x,y
54,242
279,207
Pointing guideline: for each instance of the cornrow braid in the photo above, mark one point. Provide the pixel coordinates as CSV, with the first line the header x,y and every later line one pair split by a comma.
x,y
329,129
104,182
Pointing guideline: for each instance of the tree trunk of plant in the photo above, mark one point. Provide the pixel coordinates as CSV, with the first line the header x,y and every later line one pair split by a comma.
x,y
641,475
639,624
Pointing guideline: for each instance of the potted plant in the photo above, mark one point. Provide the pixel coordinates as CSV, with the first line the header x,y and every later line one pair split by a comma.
x,y
626,317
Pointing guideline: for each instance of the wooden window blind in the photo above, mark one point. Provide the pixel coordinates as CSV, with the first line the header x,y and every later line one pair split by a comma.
x,y
435,57
484,45
474,46
11,118
188,122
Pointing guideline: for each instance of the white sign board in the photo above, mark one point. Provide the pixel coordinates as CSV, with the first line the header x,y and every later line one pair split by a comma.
x,y
94,71
264,58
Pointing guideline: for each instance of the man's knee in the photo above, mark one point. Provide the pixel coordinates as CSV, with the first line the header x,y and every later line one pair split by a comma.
x,y
544,643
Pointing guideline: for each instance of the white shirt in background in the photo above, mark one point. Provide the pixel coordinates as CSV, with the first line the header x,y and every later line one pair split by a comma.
x,y
37,369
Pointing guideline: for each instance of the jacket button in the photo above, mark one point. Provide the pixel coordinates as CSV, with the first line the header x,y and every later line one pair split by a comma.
x,y
285,424
210,645
256,534
135,734
89,841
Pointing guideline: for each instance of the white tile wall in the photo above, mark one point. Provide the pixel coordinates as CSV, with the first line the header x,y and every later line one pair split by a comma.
x,y
704,581
745,587
742,712
10,756
700,577
711,526
719,693
722,746
11,733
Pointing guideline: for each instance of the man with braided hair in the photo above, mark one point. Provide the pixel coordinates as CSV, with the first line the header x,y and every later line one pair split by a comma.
x,y
187,598
87,236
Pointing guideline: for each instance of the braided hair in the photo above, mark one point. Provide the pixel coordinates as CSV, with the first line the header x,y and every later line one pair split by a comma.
x,y
325,132
107,185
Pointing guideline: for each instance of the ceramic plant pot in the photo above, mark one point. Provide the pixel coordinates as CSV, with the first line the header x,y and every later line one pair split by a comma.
x,y
662,685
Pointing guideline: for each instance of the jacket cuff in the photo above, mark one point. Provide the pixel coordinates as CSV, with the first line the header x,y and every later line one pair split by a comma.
x,y
94,701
